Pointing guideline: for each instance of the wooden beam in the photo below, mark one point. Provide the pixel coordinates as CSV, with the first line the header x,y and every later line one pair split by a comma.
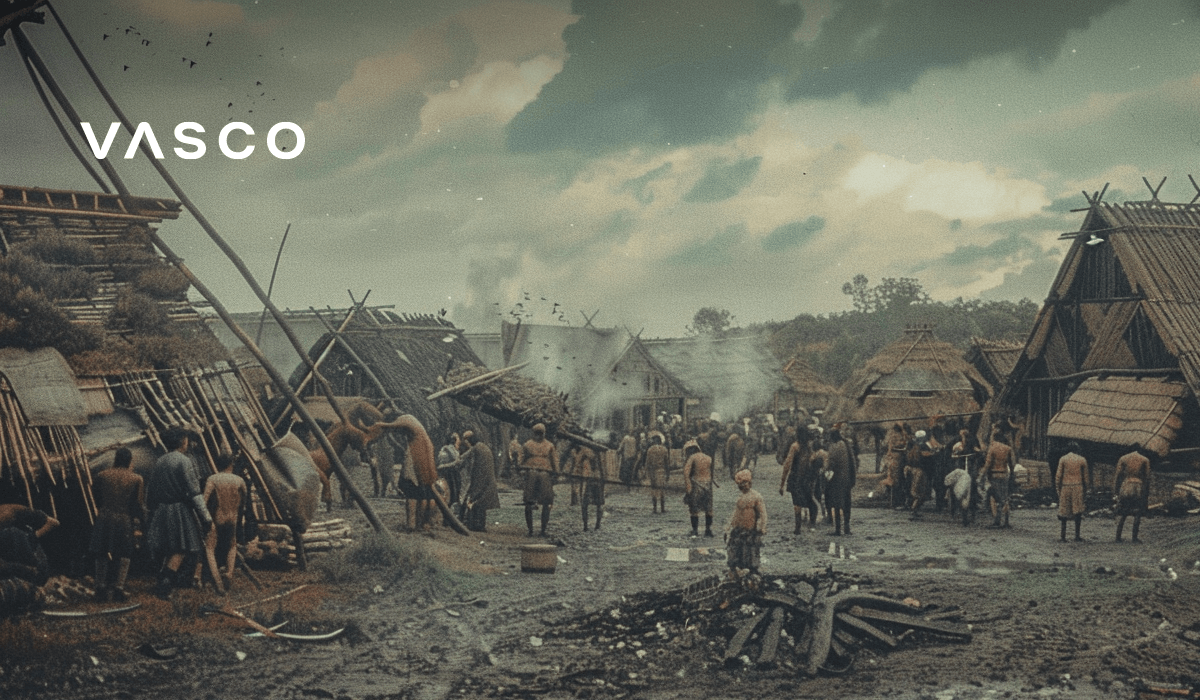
x,y
953,629
867,629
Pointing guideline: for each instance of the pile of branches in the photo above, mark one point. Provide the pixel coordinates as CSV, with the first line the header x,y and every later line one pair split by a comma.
x,y
807,624
513,398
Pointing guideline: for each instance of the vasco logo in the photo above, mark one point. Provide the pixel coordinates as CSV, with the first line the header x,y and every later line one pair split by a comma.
x,y
145,132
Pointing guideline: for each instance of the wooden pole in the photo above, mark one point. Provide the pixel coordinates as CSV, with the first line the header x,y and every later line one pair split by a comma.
x,y
271,285
475,381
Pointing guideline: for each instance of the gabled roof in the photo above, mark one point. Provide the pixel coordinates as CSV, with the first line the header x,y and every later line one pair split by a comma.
x,y
406,352
804,379
994,359
1145,256
736,374
915,376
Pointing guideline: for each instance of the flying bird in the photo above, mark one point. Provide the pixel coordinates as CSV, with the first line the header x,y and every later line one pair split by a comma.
x,y
207,43
125,68
230,104
145,42
258,82
105,38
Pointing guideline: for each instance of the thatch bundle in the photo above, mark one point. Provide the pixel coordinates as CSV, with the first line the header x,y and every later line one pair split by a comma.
x,y
514,399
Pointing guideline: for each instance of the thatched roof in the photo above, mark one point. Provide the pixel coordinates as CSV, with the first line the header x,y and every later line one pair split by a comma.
x,y
1123,411
807,383
408,354
914,377
994,359
736,375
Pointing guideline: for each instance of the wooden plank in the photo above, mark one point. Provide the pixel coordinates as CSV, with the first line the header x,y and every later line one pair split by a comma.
x,y
781,598
867,629
742,636
770,643
953,629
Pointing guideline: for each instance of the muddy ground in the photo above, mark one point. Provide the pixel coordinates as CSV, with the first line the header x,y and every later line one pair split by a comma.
x,y
459,619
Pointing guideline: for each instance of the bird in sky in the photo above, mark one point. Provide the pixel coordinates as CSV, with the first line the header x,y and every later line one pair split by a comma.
x,y
105,37
125,68
193,64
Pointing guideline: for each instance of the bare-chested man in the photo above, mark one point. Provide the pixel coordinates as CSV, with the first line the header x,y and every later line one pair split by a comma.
x,y
1131,486
120,501
998,466
225,494
698,486
591,482
744,534
658,464
539,459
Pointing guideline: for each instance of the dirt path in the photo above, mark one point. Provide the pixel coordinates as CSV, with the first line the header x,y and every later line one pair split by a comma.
x,y
1045,622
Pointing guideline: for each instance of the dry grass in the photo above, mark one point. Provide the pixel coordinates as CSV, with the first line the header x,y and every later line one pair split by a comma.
x,y
161,282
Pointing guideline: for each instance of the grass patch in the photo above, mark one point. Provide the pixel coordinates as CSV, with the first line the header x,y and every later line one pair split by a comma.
x,y
384,560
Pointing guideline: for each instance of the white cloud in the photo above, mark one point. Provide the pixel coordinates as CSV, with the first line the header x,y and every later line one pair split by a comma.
x,y
500,90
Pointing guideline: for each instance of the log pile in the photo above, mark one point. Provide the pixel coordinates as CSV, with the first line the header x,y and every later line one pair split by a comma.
x,y
803,625
275,544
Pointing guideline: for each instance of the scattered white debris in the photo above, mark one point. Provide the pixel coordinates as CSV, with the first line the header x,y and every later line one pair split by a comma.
x,y
241,655
589,579
833,548
95,661
641,653
377,589
561,560
535,641
453,613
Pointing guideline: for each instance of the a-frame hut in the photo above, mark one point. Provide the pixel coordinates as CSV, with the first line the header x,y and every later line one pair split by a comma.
x,y
912,379
385,356
1114,355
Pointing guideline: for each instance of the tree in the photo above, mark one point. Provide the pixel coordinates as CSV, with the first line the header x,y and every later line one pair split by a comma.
x,y
891,294
710,321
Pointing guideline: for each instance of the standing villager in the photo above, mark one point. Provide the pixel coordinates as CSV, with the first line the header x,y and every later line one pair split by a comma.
x,y
120,502
965,455
179,515
627,452
450,469
481,493
744,533
735,451
591,482
698,487
1071,481
225,493
658,463
799,479
514,455
894,464
841,467
998,466
539,459
1131,488
919,470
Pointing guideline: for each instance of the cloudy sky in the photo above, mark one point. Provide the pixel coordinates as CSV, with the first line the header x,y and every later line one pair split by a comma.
x,y
641,157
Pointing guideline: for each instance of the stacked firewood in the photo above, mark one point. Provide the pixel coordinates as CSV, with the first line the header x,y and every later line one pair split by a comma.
x,y
327,535
275,543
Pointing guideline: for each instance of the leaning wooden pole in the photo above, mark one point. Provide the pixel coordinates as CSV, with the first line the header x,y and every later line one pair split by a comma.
x,y
204,224
278,380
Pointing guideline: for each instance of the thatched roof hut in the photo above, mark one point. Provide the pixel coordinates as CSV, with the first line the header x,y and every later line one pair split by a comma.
x,y
811,391
994,359
911,379
1114,355
407,354
730,376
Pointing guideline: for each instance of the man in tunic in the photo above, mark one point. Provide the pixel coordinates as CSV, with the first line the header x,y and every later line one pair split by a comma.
x,y
799,479
735,451
120,501
178,510
225,493
1071,481
919,471
591,482
1131,488
965,455
897,448
539,459
998,466
450,469
481,495
841,465
698,486
658,463
744,533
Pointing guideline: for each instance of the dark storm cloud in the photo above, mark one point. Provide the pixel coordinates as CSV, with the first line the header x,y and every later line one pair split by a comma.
x,y
875,48
717,250
656,72
724,180
793,234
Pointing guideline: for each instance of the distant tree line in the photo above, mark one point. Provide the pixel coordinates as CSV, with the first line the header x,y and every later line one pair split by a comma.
x,y
837,343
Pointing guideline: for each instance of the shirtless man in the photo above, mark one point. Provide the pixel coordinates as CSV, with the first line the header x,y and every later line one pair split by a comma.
x,y
225,494
539,459
120,501
658,463
1131,487
698,485
998,466
744,534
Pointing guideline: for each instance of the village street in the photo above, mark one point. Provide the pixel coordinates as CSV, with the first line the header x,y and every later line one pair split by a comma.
x,y
1091,619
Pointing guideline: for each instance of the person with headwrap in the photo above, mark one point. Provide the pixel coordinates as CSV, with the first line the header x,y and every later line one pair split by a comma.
x,y
539,459
744,533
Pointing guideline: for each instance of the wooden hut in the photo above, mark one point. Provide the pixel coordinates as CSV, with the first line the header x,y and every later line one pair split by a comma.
x,y
385,356
1114,355
910,380
810,391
